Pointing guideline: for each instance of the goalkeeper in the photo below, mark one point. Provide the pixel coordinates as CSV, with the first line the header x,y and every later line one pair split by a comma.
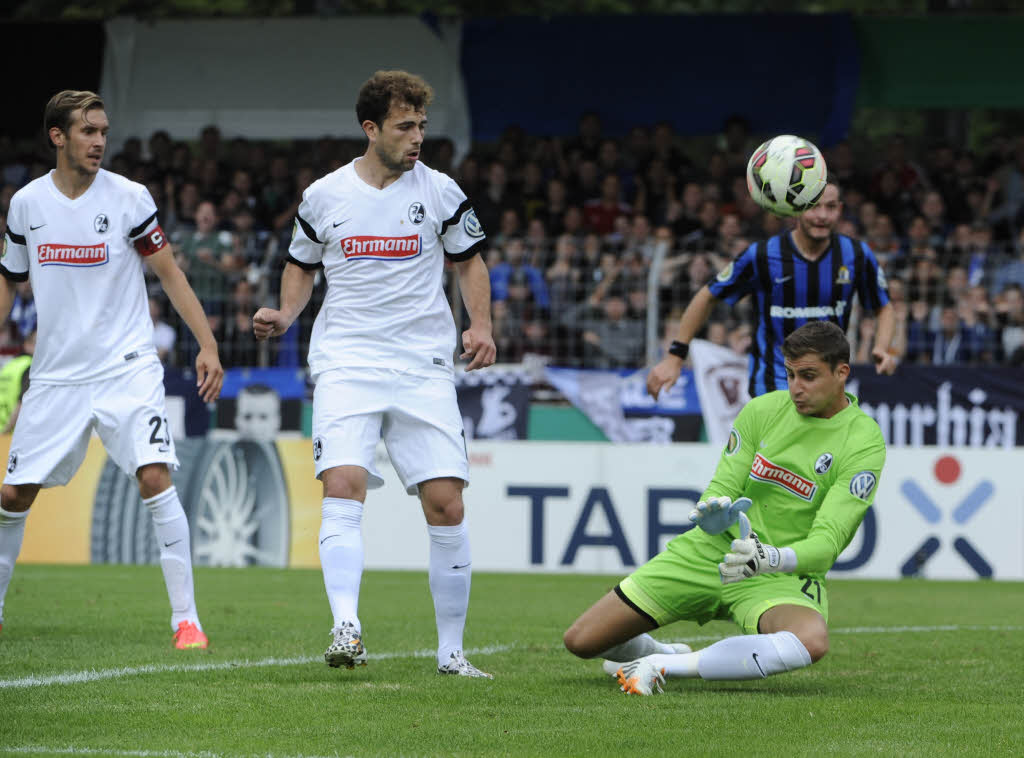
x,y
798,473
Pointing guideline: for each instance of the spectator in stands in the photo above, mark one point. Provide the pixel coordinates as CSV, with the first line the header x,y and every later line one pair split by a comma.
x,y
539,251
924,280
515,270
610,337
705,237
532,191
239,343
1005,192
563,276
1010,324
495,197
1011,271
601,213
207,257
684,216
655,192
740,338
949,343
933,209
584,183
918,330
249,244
555,206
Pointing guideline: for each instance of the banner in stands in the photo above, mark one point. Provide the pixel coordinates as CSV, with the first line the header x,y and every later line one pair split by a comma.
x,y
619,405
944,405
495,404
531,507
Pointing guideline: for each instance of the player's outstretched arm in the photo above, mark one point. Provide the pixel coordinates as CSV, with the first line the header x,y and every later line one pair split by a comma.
x,y
475,285
885,361
209,372
716,514
296,289
667,371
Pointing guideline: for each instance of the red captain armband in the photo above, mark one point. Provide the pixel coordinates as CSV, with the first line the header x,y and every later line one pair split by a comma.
x,y
150,242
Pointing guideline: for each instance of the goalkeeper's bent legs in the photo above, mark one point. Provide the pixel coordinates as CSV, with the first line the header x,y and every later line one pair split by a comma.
x,y
791,637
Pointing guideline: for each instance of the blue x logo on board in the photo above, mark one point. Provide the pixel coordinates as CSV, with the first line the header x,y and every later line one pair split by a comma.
x,y
930,512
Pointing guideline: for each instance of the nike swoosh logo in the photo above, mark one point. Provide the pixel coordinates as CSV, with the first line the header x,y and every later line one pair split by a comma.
x,y
460,566
339,223
759,665
329,536
33,228
171,544
782,279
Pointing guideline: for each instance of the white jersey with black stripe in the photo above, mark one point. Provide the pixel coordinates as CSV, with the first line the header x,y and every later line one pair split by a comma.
x,y
383,252
87,277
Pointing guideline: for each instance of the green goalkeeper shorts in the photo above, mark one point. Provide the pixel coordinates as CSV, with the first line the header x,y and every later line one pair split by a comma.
x,y
682,583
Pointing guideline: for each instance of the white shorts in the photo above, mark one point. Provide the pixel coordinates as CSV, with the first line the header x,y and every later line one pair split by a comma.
x,y
52,433
418,418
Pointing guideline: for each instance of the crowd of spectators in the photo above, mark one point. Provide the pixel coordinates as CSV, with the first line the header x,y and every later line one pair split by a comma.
x,y
573,224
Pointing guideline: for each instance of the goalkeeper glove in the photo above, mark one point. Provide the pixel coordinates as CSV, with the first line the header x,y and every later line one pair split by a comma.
x,y
749,556
718,513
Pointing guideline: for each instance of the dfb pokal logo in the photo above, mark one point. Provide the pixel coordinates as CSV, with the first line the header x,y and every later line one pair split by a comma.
x,y
947,471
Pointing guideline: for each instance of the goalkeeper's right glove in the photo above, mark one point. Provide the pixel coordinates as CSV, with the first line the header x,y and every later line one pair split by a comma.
x,y
717,514
749,556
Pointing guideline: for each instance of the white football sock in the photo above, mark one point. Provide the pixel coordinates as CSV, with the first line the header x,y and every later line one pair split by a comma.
x,y
638,647
753,656
341,556
12,529
175,545
449,585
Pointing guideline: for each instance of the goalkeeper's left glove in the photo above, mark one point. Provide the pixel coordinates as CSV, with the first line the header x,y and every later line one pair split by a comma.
x,y
749,556
716,514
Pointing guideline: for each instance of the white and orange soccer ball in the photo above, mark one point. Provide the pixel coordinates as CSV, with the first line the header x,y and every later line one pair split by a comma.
x,y
786,175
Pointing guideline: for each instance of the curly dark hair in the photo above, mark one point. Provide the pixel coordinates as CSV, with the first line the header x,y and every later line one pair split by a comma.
x,y
387,87
821,337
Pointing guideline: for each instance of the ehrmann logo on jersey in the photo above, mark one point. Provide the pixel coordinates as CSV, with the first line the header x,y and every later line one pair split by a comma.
x,y
764,470
382,248
72,255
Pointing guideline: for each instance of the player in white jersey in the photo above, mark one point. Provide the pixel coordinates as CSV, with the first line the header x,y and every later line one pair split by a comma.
x,y
80,234
382,348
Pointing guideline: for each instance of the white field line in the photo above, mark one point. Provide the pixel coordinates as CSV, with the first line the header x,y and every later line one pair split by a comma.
x,y
93,675
80,677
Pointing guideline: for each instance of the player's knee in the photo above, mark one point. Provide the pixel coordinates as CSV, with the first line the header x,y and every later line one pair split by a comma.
x,y
340,482
17,498
575,641
153,479
442,503
816,643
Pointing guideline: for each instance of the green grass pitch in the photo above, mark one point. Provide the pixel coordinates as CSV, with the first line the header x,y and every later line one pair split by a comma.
x,y
86,668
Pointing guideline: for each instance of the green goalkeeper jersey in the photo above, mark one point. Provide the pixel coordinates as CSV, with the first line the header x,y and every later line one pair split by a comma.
x,y
810,479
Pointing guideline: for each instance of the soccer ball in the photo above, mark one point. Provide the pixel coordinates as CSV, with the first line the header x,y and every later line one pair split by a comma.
x,y
786,175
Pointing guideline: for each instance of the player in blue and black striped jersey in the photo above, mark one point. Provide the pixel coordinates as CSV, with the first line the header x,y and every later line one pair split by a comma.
x,y
808,274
